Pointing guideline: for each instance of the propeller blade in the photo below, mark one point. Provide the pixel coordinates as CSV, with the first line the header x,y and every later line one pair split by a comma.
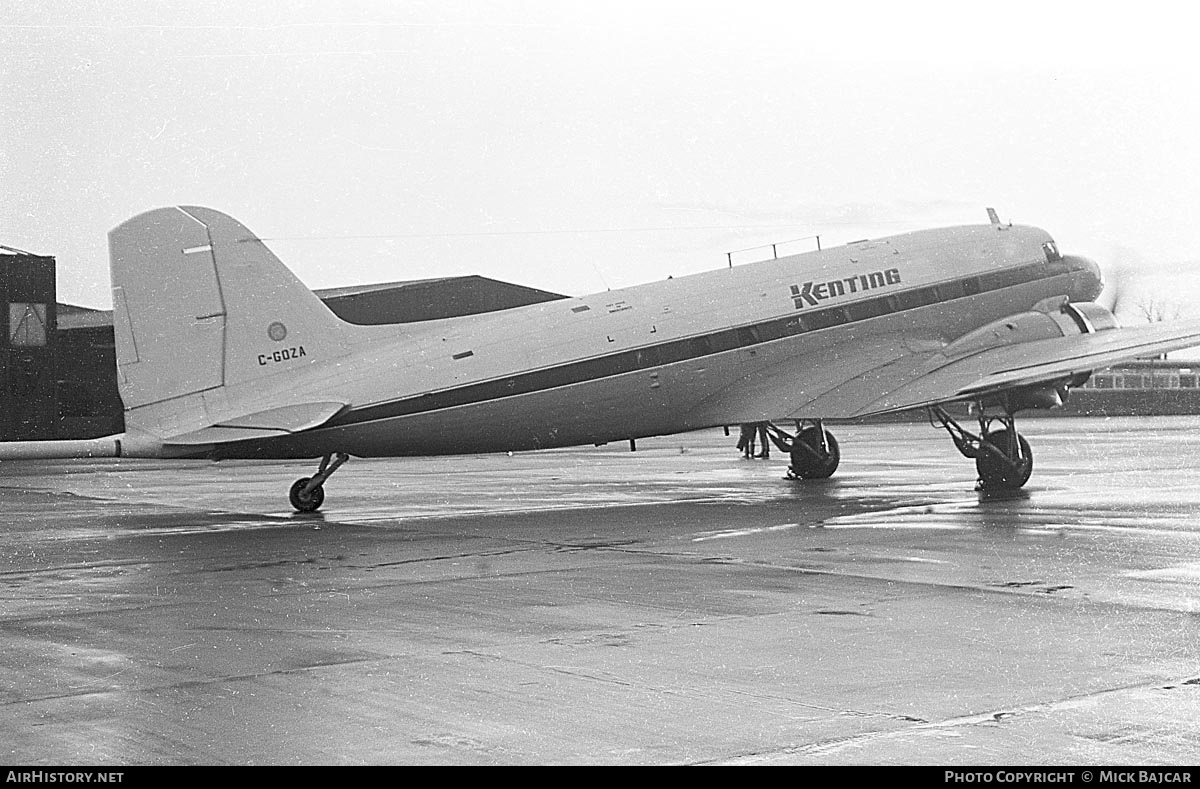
x,y
1117,274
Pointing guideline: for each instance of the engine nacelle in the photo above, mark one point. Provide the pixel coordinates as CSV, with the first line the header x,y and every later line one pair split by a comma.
x,y
1059,318
1091,317
1052,319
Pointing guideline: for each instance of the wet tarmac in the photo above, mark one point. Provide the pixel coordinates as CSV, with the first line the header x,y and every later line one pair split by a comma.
x,y
674,605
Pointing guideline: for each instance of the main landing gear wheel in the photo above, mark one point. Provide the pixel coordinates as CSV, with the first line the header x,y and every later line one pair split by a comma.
x,y
308,493
1002,456
306,502
1008,469
811,460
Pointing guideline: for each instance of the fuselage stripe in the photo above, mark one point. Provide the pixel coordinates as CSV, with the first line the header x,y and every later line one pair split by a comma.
x,y
685,349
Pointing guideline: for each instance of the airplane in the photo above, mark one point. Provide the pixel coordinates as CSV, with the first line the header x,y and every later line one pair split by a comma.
x,y
223,353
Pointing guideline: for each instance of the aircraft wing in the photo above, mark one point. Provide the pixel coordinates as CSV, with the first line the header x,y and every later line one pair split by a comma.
x,y
1005,367
932,377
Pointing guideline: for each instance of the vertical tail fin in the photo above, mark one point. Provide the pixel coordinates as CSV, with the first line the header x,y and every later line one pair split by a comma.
x,y
201,308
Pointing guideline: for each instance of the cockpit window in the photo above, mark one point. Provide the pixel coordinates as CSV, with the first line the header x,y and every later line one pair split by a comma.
x,y
1052,253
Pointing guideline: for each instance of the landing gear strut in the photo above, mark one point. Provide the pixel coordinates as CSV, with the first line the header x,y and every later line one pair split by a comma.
x,y
1002,456
813,450
308,493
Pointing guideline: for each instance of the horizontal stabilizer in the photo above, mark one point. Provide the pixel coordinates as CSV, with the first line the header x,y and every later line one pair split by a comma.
x,y
108,447
271,423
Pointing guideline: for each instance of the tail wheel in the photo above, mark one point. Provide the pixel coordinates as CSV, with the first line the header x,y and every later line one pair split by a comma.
x,y
306,502
812,461
1010,471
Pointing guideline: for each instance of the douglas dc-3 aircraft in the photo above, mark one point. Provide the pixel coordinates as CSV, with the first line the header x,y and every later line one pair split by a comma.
x,y
223,353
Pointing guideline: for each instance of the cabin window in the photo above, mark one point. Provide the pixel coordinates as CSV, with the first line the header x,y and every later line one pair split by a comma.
x,y
725,340
921,297
863,310
772,331
824,319
648,357
748,336
1187,382
1103,382
950,290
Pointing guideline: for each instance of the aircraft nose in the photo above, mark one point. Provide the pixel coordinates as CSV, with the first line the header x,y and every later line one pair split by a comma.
x,y
1088,280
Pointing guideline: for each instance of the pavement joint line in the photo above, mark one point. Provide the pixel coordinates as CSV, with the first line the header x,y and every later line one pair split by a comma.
x,y
973,719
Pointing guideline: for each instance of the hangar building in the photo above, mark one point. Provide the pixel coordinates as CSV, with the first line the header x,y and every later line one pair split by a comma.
x,y
29,407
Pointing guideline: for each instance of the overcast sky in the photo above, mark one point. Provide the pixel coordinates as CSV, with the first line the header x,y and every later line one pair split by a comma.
x,y
578,146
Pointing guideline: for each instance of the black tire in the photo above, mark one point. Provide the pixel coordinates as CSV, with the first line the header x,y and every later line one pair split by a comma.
x,y
304,503
1000,473
807,466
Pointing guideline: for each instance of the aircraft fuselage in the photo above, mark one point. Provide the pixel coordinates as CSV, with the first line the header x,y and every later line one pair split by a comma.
x,y
804,336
